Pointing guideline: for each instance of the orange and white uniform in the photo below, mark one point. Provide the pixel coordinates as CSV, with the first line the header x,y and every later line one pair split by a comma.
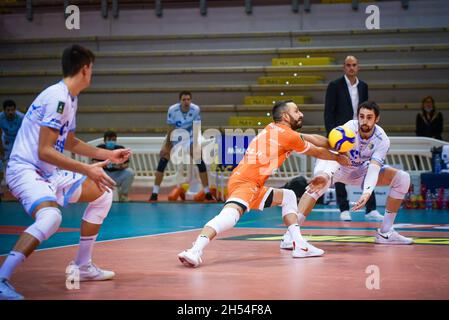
x,y
266,153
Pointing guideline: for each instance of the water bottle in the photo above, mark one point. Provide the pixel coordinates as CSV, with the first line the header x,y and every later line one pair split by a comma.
x,y
437,167
429,200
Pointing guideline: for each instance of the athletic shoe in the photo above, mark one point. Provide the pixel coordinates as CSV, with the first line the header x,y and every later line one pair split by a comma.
x,y
153,197
286,242
391,237
374,215
190,258
200,196
308,251
7,291
345,216
89,272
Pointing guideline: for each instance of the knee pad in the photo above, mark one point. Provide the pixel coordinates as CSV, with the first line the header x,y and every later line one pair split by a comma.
x,y
225,220
318,194
399,185
162,164
201,166
289,204
98,209
47,223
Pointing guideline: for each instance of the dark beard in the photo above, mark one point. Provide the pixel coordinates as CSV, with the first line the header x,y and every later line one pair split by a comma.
x,y
365,130
295,125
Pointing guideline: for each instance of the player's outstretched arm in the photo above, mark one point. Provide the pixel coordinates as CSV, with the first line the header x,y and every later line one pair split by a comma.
x,y
317,140
326,154
370,182
75,145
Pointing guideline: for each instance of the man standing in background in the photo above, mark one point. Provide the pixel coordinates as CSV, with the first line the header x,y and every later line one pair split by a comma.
x,y
343,97
10,122
181,115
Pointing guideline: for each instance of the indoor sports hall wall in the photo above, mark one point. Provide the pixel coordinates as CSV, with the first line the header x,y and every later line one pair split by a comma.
x,y
421,13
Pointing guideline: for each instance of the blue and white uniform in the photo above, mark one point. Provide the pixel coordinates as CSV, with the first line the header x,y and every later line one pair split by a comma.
x,y
373,148
183,120
30,179
9,131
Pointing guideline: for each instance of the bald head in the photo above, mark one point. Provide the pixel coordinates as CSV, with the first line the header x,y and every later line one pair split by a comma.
x,y
351,67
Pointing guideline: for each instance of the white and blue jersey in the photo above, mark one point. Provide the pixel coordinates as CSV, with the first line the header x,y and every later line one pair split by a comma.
x,y
183,120
54,108
9,130
30,179
373,148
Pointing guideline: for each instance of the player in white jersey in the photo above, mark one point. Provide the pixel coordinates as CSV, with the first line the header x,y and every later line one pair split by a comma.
x,y
367,170
42,178
182,115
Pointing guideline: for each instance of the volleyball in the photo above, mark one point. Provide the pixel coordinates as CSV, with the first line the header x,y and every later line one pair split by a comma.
x,y
341,139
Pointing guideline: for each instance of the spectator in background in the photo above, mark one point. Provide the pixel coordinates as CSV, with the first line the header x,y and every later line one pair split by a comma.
x,y
343,97
120,173
10,122
429,122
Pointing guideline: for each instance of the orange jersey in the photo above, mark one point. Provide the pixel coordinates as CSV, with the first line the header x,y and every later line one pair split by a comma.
x,y
267,152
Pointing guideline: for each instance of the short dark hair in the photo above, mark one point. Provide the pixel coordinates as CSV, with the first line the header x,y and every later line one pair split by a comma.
x,y
8,103
185,93
109,134
278,109
74,58
370,105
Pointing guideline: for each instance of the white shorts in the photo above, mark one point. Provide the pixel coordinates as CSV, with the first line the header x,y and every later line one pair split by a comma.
x,y
31,188
353,176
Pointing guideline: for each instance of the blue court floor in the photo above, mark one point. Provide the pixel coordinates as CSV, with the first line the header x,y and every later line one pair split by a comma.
x,y
127,220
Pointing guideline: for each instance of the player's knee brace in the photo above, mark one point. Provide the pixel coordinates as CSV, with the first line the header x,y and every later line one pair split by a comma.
x,y
318,194
98,209
289,204
225,220
162,164
399,185
47,223
201,166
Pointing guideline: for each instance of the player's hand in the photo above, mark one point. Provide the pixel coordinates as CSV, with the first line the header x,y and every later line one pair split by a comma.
x,y
318,183
120,155
96,173
343,159
362,201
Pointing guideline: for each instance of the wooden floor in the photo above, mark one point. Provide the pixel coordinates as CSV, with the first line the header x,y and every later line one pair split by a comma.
x,y
148,268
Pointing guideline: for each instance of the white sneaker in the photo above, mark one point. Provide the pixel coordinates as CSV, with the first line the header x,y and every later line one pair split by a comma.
x,y
7,291
307,251
374,215
286,242
89,272
190,258
345,216
391,237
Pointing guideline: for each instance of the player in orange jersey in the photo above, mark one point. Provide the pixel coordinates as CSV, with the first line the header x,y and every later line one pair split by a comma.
x,y
266,153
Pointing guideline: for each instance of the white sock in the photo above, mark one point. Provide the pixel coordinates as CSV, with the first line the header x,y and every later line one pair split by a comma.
x,y
85,250
388,221
201,242
11,263
295,233
155,189
206,189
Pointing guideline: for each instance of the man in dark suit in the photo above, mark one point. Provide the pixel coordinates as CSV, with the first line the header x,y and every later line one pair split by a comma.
x,y
343,96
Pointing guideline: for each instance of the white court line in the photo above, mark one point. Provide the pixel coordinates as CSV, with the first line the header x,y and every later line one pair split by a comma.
x,y
111,240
